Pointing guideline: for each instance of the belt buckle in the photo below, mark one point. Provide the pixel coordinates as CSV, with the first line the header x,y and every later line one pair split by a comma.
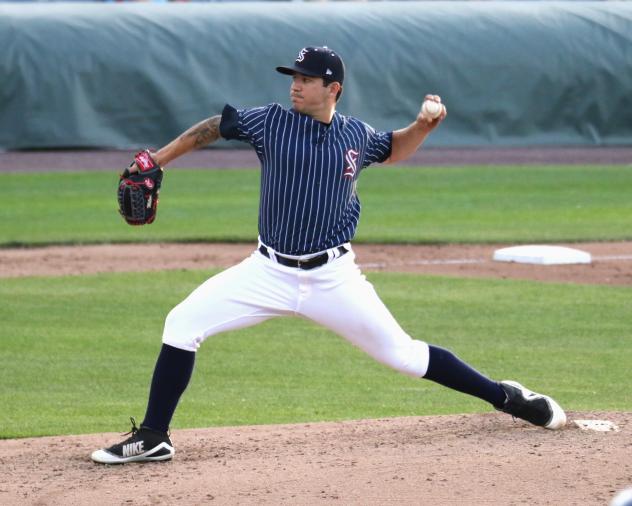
x,y
298,263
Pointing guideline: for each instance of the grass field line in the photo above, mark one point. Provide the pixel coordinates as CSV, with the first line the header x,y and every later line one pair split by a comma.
x,y
605,258
456,261
469,261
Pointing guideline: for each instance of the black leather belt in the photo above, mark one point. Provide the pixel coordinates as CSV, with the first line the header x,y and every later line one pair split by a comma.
x,y
312,263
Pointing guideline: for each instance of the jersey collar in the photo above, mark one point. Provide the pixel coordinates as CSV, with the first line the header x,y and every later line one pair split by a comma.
x,y
324,130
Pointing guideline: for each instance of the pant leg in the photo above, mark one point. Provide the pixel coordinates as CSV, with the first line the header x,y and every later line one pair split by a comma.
x,y
241,296
340,298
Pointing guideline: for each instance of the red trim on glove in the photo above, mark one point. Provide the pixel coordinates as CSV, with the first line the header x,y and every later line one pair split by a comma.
x,y
144,161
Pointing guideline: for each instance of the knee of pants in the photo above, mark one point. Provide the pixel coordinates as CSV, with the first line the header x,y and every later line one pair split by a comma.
x,y
411,359
180,332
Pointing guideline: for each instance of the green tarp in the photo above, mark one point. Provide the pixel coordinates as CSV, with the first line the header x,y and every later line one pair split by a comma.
x,y
129,75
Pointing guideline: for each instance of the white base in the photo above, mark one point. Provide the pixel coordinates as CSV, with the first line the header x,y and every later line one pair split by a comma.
x,y
542,255
597,425
623,498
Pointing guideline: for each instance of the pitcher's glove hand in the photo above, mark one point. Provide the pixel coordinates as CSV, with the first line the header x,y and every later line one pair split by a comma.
x,y
138,191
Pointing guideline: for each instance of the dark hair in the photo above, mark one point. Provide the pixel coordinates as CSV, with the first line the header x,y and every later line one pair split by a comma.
x,y
327,82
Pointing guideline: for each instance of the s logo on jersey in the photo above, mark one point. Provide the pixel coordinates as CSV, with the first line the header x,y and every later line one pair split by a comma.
x,y
351,159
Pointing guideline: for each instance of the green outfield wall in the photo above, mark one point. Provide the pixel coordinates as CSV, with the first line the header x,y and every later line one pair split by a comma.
x,y
129,75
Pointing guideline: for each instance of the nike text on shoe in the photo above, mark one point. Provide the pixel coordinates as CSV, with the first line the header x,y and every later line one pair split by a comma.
x,y
144,445
533,407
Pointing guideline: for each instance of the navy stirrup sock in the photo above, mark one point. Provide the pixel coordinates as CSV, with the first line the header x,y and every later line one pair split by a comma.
x,y
448,370
171,377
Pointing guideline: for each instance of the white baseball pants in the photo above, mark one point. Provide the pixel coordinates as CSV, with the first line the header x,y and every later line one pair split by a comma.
x,y
336,295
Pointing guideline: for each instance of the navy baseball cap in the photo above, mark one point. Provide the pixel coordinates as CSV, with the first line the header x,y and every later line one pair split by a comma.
x,y
317,62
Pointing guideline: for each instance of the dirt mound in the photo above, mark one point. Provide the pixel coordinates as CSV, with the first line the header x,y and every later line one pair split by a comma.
x,y
465,459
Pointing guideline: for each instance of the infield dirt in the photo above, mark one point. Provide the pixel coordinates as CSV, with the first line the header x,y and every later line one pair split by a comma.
x,y
612,261
441,460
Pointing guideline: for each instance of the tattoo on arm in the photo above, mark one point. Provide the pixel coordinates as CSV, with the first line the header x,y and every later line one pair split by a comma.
x,y
204,132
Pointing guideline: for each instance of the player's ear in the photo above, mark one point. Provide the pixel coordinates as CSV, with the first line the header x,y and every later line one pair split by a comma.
x,y
335,89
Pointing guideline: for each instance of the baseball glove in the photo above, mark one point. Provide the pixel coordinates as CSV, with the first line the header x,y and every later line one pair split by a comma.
x,y
138,191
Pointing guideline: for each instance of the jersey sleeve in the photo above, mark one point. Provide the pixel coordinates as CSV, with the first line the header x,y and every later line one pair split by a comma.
x,y
378,146
243,124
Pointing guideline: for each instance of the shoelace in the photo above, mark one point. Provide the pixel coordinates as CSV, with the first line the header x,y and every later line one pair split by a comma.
x,y
134,428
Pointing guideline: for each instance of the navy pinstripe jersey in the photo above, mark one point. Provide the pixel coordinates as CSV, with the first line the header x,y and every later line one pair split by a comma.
x,y
308,199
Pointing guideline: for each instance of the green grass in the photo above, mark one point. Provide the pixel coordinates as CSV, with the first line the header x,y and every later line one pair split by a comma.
x,y
74,359
472,204
78,352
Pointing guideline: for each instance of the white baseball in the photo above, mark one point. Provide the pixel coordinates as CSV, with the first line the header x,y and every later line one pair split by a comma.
x,y
431,109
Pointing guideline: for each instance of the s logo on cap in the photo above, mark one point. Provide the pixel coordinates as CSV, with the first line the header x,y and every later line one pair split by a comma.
x,y
301,55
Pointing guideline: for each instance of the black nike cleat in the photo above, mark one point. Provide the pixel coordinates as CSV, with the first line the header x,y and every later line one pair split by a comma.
x,y
535,408
144,445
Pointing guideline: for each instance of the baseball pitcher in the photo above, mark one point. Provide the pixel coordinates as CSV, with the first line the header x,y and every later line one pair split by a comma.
x,y
304,265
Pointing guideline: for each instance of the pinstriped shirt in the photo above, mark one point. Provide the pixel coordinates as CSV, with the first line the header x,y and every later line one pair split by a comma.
x,y
308,199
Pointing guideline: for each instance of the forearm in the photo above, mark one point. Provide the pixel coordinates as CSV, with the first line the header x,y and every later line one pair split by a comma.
x,y
199,135
408,140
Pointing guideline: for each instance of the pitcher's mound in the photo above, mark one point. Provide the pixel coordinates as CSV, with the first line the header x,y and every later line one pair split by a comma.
x,y
445,460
